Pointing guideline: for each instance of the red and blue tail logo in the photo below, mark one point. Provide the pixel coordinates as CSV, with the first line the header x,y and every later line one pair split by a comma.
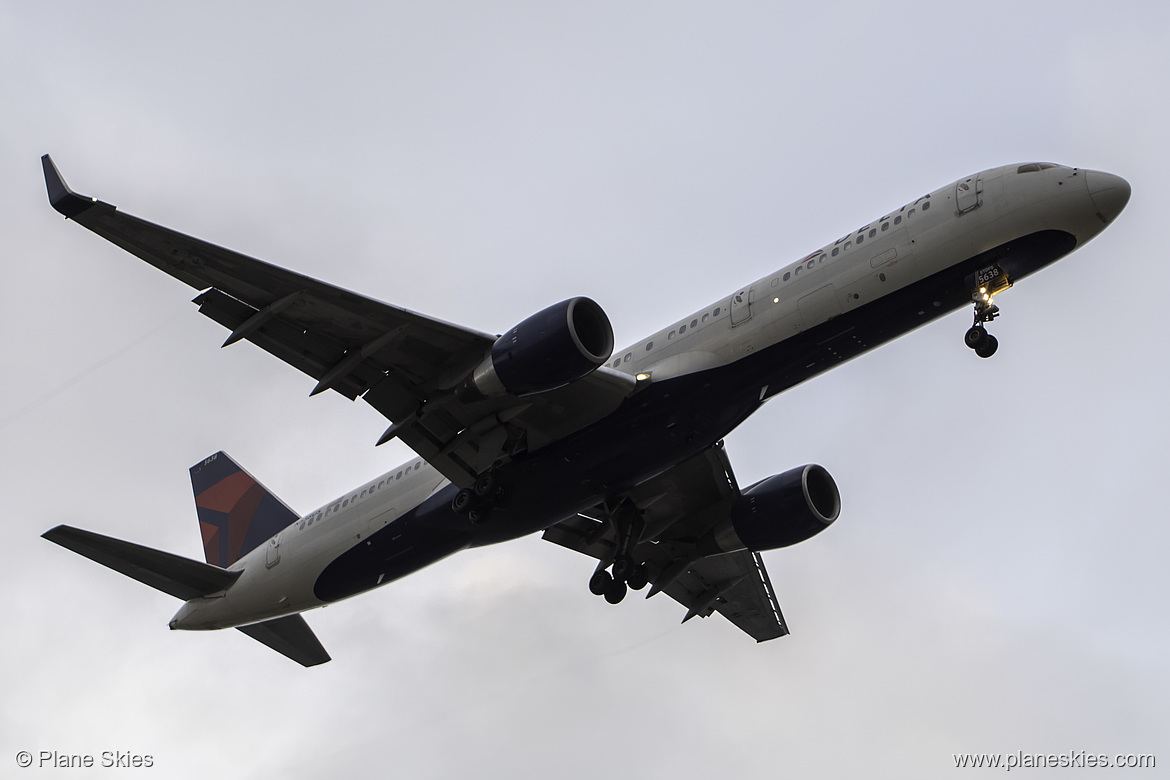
x,y
236,513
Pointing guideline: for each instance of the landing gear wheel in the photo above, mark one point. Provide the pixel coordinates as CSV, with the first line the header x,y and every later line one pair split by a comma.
x,y
988,348
615,591
639,577
976,337
462,501
622,569
485,485
478,514
600,582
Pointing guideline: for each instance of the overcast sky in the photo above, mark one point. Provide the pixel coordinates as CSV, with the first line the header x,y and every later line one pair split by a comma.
x,y
997,580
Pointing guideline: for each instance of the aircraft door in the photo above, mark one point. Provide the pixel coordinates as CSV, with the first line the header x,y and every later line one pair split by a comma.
x,y
272,552
741,306
969,193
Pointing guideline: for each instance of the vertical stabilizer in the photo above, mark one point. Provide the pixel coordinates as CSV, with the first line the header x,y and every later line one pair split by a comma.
x,y
236,513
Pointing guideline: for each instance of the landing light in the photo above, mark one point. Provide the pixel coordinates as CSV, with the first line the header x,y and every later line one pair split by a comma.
x,y
775,300
982,289
643,377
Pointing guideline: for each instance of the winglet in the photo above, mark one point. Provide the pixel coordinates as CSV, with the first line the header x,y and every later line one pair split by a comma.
x,y
61,197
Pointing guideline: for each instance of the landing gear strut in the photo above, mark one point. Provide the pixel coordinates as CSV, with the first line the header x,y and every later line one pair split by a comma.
x,y
627,524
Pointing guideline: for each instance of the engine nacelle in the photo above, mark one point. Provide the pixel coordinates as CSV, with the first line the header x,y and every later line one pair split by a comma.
x,y
548,350
781,510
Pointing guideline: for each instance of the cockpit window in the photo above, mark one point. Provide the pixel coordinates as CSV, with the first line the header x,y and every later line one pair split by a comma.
x,y
1033,167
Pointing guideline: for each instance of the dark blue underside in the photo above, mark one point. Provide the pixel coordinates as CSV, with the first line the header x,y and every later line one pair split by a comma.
x,y
665,424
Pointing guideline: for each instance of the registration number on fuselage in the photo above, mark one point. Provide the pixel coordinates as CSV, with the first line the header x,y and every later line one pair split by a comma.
x,y
987,275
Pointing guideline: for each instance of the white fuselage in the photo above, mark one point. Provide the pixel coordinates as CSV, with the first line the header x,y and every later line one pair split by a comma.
x,y
921,239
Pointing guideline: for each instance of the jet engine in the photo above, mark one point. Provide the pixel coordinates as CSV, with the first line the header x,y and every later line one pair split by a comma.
x,y
780,511
548,350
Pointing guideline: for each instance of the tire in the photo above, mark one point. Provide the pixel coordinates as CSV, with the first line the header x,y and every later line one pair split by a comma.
x,y
639,577
485,484
615,592
976,337
462,501
989,348
599,583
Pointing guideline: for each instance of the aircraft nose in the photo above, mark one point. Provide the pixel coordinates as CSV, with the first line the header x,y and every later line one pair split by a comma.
x,y
1109,193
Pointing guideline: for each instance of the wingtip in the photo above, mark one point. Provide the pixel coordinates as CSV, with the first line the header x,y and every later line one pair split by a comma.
x,y
55,533
63,199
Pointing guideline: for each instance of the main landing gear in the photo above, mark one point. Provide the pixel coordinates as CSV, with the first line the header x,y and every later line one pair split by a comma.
x,y
478,501
626,522
993,281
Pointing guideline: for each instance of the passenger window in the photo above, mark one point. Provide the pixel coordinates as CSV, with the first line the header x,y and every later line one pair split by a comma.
x,y
910,213
418,466
775,281
848,244
835,251
873,233
859,240
649,345
716,312
682,329
705,317
926,205
617,362
345,503
670,335
628,356
885,226
810,264
797,271
898,220
788,275
694,324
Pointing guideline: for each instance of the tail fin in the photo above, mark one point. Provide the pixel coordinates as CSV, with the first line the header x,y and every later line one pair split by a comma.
x,y
236,513
180,577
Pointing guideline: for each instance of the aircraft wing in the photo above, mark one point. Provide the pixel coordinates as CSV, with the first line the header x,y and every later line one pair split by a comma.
x,y
678,508
406,365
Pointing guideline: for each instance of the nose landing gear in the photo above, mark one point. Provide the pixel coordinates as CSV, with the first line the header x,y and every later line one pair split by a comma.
x,y
992,281
977,337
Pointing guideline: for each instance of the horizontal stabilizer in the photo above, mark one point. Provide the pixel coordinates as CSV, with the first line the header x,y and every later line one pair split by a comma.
x,y
289,636
180,577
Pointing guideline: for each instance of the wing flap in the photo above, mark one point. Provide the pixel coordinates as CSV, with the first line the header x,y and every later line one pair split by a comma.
x,y
735,585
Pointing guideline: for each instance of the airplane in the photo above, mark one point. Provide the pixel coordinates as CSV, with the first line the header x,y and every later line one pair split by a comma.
x,y
545,428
